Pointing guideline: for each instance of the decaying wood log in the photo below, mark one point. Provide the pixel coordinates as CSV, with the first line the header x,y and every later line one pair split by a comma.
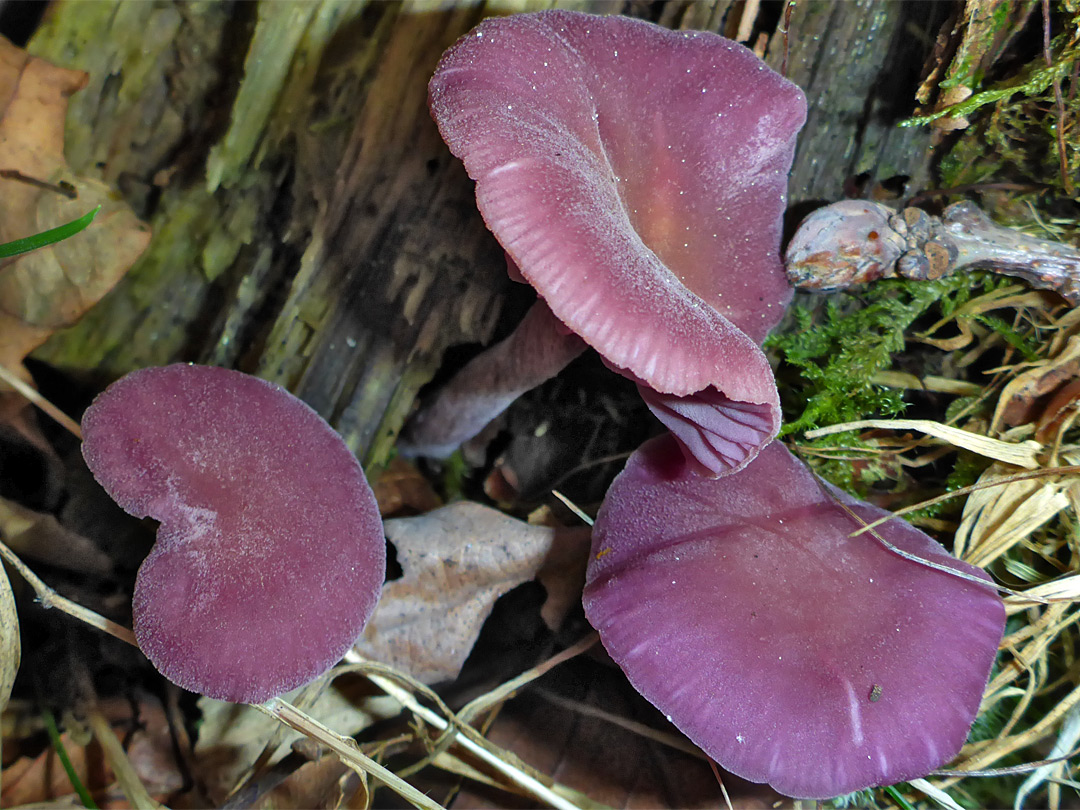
x,y
311,227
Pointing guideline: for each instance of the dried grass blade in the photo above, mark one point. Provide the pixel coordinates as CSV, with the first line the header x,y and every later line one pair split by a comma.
x,y
1067,738
996,519
935,793
130,784
1046,472
1019,454
1066,589
1002,747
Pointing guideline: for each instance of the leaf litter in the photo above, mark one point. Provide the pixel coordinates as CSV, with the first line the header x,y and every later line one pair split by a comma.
x,y
997,363
457,561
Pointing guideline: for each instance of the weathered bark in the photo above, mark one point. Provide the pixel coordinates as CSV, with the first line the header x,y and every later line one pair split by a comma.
x,y
310,226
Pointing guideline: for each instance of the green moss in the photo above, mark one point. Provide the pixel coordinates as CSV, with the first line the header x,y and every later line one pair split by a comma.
x,y
1014,129
829,361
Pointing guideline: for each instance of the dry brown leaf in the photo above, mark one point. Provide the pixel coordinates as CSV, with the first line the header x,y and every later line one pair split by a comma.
x,y
50,288
323,784
1020,400
563,571
401,488
148,742
42,779
576,749
10,647
457,561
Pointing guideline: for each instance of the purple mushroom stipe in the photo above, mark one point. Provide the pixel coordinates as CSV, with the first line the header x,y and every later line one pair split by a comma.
x,y
270,556
538,349
791,652
636,176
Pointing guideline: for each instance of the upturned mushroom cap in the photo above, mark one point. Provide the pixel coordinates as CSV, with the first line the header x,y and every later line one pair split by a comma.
x,y
792,653
636,176
270,556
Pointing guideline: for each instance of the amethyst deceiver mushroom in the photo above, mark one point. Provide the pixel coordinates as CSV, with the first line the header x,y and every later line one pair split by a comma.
x,y
270,556
791,652
636,177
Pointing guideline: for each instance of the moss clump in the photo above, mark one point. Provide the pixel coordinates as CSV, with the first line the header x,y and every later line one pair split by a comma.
x,y
1029,132
829,361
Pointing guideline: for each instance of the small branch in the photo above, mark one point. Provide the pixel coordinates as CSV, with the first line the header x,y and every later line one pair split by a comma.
x,y
345,748
51,599
64,189
855,241
62,418
462,736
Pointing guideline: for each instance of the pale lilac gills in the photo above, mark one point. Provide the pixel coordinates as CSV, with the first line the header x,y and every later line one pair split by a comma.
x,y
636,176
792,653
270,556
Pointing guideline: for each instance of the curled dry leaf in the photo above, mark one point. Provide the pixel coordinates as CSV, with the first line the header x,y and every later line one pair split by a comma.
x,y
10,648
457,561
401,489
1021,398
997,518
51,288
563,571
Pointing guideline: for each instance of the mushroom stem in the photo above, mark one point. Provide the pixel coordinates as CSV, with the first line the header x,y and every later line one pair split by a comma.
x,y
853,242
538,349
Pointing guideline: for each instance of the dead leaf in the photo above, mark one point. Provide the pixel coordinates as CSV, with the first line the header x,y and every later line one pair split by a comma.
x,y
148,741
565,735
1021,399
50,288
457,561
401,488
10,648
324,784
42,779
563,571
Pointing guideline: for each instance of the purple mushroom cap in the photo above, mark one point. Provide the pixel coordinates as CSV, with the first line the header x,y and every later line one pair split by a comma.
x,y
270,556
636,176
791,652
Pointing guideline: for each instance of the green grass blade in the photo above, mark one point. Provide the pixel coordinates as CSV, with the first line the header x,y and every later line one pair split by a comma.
x,y
61,751
898,797
49,237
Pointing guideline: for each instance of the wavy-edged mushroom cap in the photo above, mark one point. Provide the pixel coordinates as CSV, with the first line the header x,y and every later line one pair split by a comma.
x,y
270,556
637,177
792,653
